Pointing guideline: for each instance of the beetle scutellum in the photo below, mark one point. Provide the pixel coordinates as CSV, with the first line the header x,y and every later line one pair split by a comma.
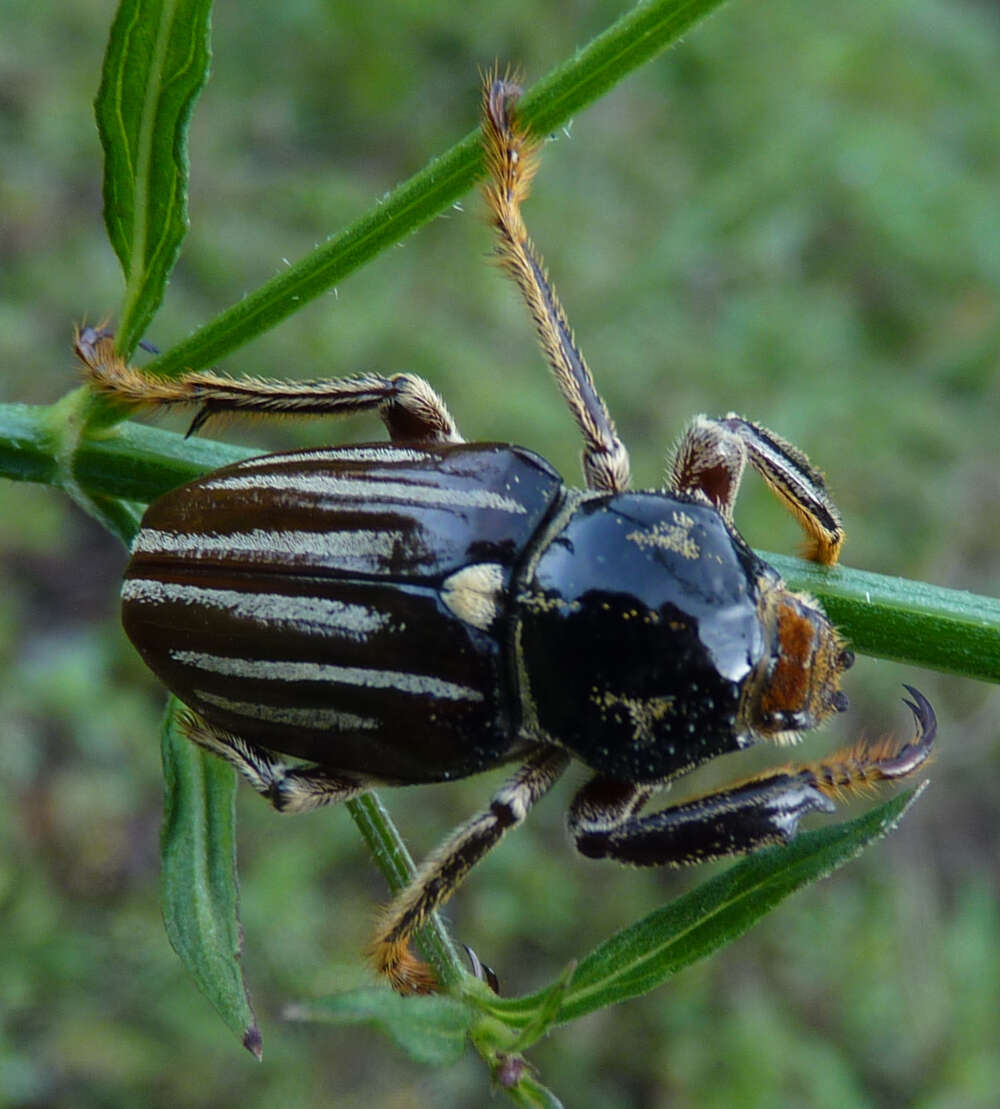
x,y
425,609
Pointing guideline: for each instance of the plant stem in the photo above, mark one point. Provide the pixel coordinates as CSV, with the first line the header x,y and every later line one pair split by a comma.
x,y
644,31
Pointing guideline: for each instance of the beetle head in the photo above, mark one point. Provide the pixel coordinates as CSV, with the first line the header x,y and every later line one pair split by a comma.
x,y
798,682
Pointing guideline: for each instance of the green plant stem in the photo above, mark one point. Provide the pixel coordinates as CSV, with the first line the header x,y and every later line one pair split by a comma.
x,y
906,621
394,860
887,617
640,34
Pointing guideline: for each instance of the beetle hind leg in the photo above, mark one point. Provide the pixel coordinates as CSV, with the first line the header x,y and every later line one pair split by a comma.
x,y
762,810
511,159
410,409
288,787
444,869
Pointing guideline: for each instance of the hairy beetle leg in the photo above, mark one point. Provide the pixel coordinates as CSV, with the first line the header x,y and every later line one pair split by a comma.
x,y
444,869
863,766
289,787
710,460
293,788
511,156
410,409
762,810
405,972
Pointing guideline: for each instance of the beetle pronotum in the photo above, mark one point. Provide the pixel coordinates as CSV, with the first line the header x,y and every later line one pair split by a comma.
x,y
425,609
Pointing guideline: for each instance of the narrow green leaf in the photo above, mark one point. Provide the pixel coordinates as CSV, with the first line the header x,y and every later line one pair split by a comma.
x,y
430,1030
635,38
155,66
199,886
647,954
546,1012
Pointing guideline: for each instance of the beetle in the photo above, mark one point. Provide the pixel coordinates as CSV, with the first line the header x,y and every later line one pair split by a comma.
x,y
425,609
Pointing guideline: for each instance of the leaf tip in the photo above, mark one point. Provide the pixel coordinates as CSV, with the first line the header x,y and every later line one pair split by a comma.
x,y
252,1041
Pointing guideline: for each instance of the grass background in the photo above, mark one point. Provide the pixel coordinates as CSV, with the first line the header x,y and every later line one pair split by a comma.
x,y
792,215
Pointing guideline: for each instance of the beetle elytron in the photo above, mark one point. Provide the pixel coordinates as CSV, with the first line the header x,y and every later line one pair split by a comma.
x,y
425,609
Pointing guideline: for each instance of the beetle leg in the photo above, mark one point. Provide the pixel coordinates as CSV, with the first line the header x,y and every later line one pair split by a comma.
x,y
710,459
511,162
289,788
443,870
481,971
759,811
407,405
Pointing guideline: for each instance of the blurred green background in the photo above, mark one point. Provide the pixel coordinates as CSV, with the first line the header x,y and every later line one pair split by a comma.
x,y
792,215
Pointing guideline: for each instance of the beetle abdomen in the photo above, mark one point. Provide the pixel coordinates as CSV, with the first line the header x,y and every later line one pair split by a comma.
x,y
346,606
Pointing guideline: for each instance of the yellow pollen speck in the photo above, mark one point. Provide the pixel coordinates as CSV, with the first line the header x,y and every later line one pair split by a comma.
x,y
674,537
643,713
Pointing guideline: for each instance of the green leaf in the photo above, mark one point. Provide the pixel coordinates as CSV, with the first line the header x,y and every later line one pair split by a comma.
x,y
155,66
429,1029
433,1030
199,886
647,954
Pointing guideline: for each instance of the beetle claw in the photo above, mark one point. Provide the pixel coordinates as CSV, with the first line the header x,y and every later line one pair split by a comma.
x,y
918,749
481,971
923,712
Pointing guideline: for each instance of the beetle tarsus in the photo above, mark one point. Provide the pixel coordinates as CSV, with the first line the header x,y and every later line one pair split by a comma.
x,y
406,973
860,768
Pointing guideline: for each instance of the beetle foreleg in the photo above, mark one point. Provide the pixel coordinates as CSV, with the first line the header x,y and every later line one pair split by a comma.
x,y
731,822
762,810
289,788
443,870
410,409
710,459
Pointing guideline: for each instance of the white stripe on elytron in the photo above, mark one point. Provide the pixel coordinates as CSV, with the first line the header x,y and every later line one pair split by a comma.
x,y
285,670
339,454
317,614
364,491
318,719
264,544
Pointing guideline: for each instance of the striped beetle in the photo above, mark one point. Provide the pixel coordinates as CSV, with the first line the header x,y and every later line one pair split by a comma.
x,y
424,609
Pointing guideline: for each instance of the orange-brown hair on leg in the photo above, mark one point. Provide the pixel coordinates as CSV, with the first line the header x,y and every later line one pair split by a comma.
x,y
510,153
405,972
861,767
